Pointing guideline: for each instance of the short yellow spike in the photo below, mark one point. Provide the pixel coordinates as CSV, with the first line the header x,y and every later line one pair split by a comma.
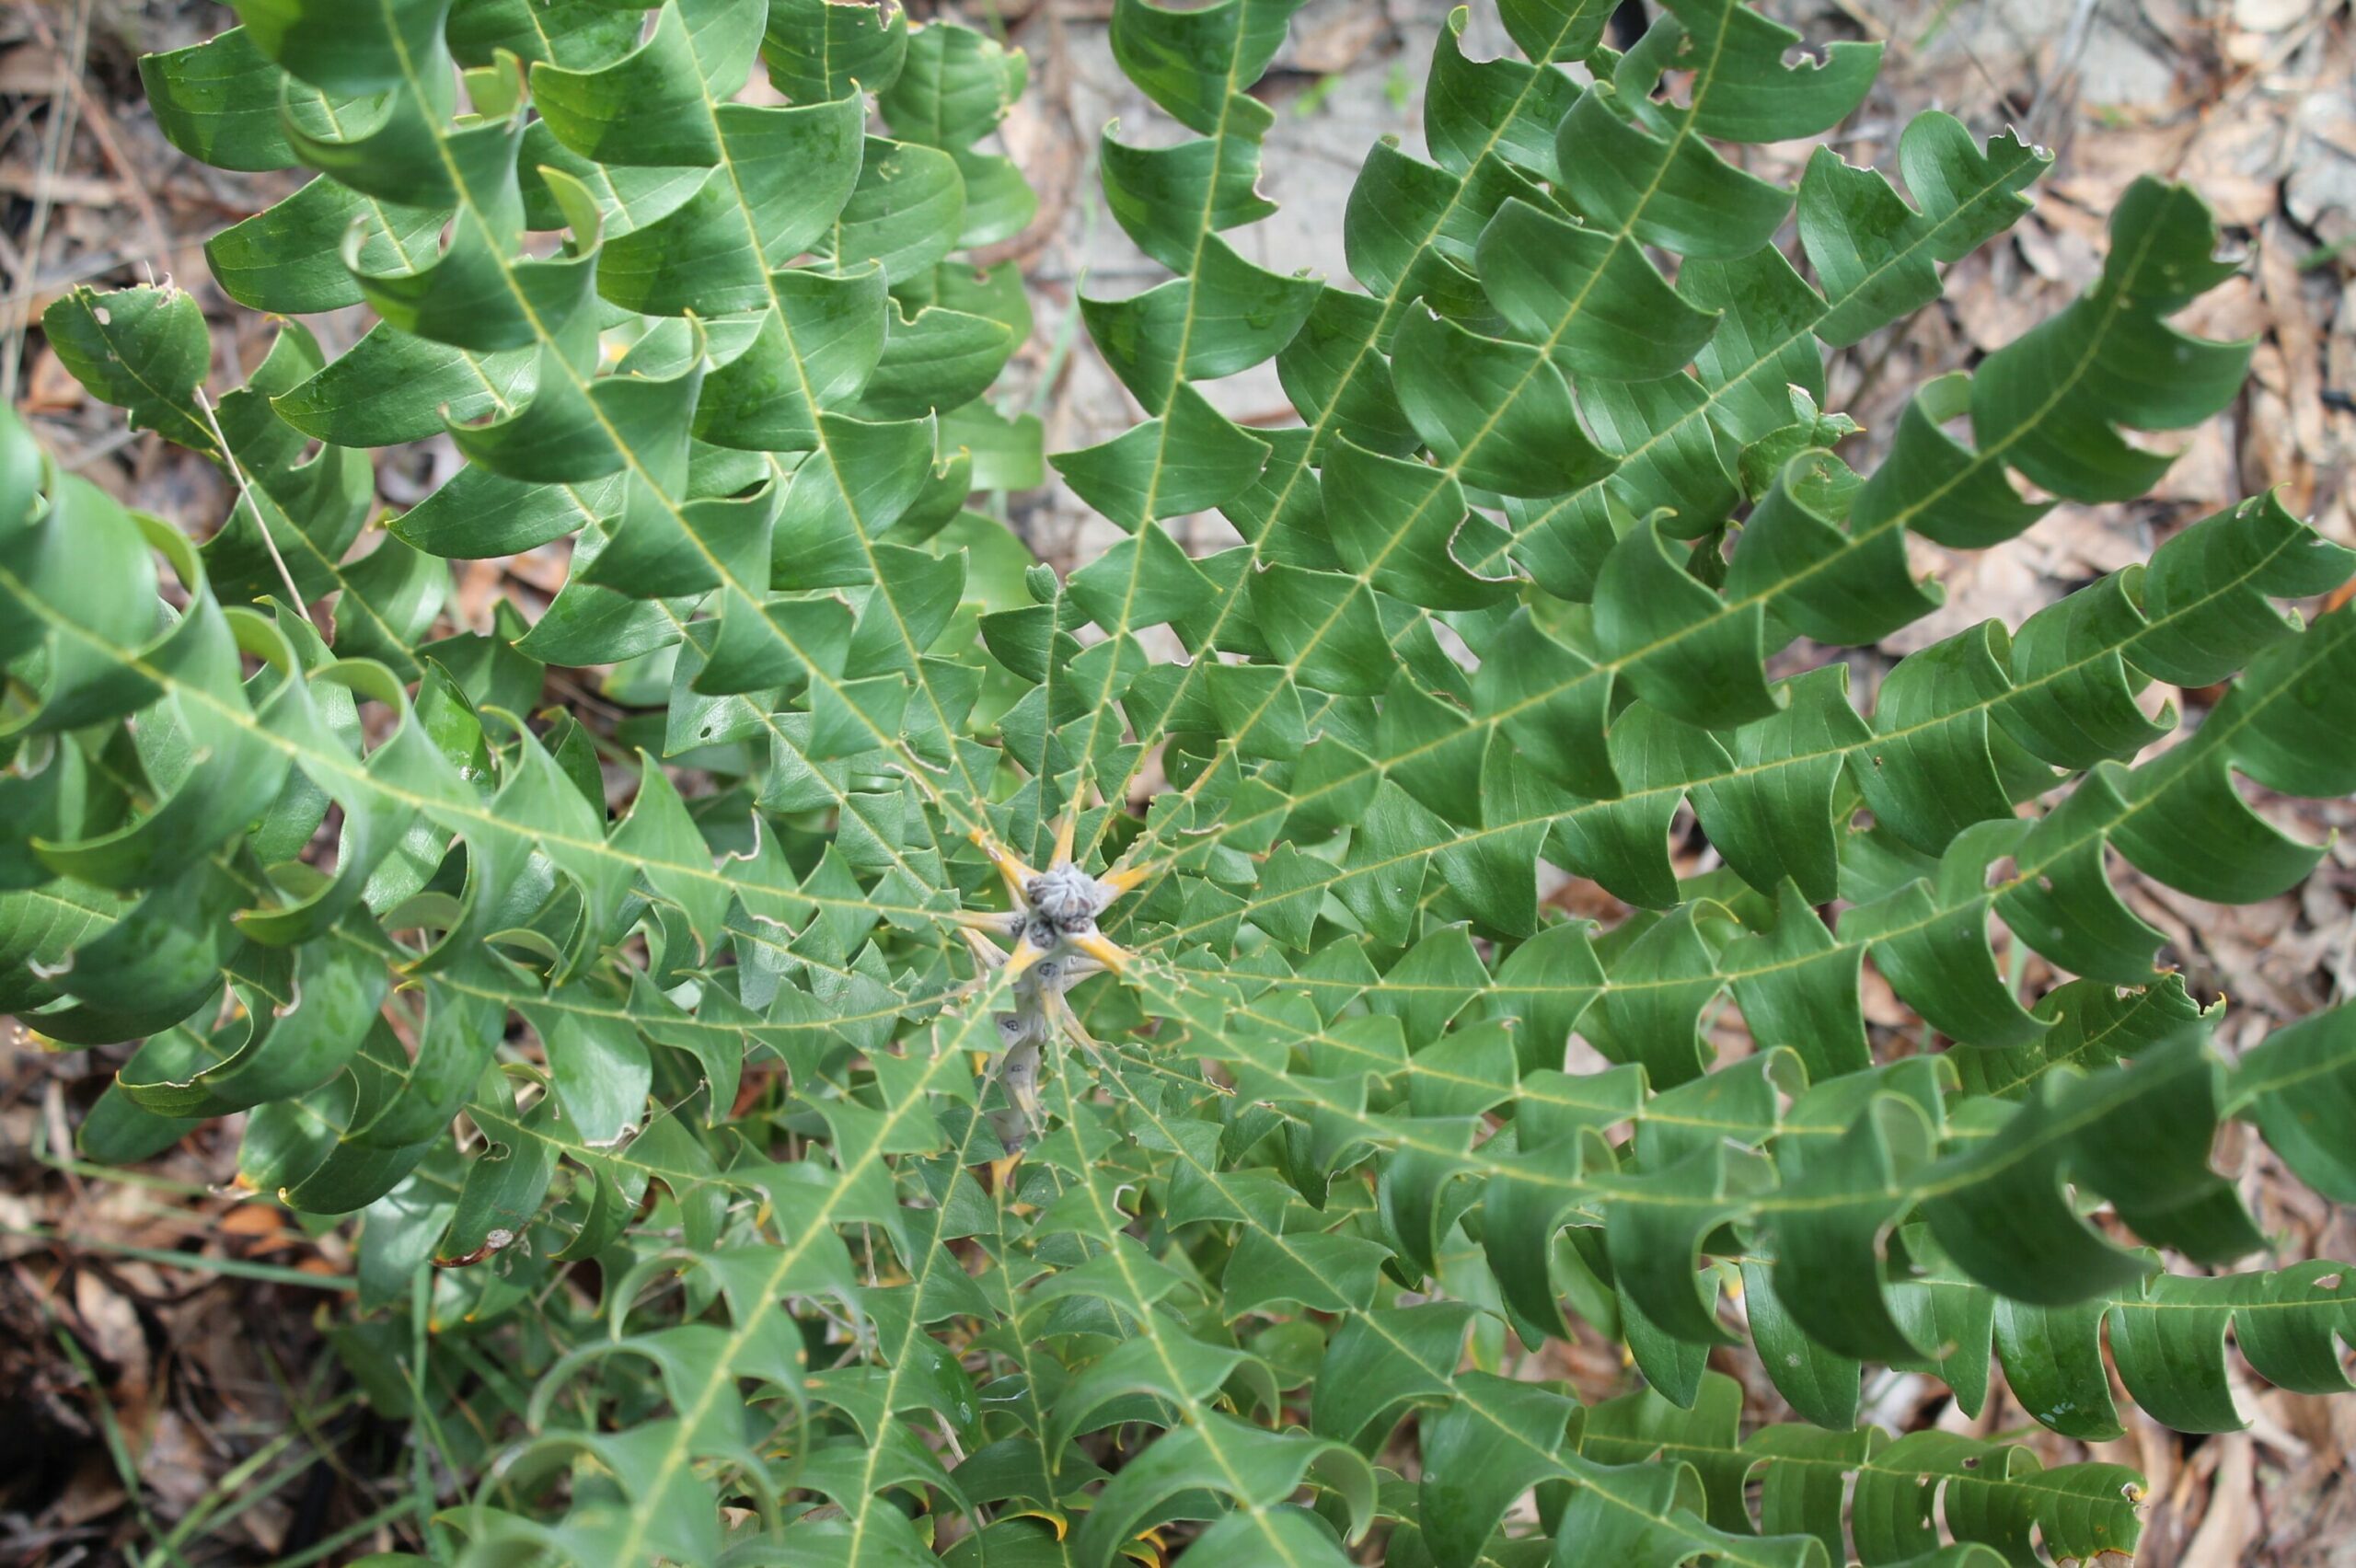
x,y
1121,879
1010,868
1024,955
1106,951
1069,1021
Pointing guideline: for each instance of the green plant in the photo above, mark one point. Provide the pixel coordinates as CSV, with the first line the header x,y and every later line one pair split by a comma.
x,y
807,1206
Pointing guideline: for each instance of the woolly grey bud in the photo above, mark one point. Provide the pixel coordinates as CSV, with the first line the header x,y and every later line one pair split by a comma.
x,y
1065,896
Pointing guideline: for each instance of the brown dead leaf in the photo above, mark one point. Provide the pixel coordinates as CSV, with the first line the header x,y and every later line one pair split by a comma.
x,y
92,1494
1998,304
2204,475
2271,16
1979,584
51,389
252,1219
2235,308
2299,334
1330,37
2237,162
2070,255
1880,1004
2319,191
110,1326
2229,1524
175,1471
29,71
63,185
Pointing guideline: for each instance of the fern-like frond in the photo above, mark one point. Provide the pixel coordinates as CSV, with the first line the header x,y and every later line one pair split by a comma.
x,y
910,1072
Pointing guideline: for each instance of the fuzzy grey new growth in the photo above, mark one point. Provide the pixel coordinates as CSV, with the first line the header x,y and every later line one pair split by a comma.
x,y
1057,944
1066,897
